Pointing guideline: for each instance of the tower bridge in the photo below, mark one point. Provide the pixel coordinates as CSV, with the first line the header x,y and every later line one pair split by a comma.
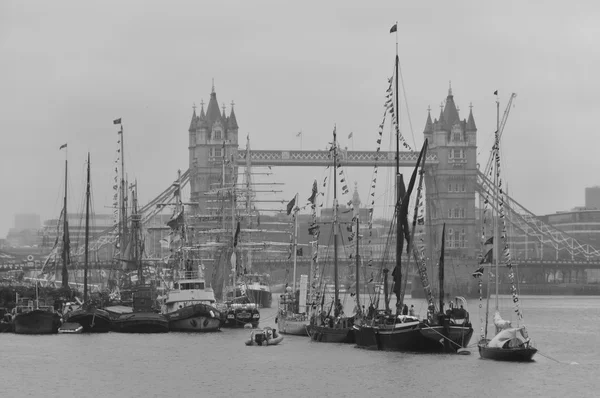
x,y
452,181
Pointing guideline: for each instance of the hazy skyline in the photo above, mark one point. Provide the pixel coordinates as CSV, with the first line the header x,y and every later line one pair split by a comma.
x,y
68,69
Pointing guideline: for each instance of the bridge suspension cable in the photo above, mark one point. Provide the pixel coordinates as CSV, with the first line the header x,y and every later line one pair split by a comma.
x,y
533,226
109,236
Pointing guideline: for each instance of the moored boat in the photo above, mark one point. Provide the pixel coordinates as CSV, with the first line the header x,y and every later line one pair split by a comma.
x,y
142,318
239,313
93,320
35,319
509,343
188,306
336,327
257,288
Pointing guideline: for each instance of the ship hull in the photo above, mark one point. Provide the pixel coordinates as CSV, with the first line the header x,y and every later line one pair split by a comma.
x,y
262,298
292,326
195,318
455,338
92,321
366,337
326,334
36,322
524,354
140,322
240,317
397,337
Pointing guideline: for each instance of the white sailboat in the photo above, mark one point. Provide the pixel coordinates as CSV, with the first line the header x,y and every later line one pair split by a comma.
x,y
509,343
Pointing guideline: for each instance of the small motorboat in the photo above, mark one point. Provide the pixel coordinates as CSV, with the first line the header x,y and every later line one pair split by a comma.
x,y
264,337
70,327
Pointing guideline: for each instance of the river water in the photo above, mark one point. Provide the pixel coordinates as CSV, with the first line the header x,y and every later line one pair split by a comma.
x,y
564,329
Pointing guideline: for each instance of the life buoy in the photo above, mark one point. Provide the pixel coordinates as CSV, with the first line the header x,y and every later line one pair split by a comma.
x,y
30,258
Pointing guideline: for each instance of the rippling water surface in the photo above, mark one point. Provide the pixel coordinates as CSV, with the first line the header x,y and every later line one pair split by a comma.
x,y
565,329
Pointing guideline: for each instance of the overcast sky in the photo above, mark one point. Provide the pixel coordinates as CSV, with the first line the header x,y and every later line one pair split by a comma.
x,y
68,68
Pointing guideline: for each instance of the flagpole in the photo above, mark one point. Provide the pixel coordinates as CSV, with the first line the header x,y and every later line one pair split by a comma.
x,y
396,38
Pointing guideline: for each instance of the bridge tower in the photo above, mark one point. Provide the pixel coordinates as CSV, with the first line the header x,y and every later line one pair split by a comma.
x,y
213,137
450,186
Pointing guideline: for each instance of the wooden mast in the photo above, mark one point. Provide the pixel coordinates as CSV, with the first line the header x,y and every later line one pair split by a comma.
x,y
87,233
335,225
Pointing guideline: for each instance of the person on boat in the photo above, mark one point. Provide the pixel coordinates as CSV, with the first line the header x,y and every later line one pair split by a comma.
x,y
371,312
411,312
405,310
339,308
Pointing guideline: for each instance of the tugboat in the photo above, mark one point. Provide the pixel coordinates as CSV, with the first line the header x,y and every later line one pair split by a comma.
x,y
188,306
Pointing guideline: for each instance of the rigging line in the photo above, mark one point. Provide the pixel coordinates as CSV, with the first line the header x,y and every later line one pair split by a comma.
x,y
406,104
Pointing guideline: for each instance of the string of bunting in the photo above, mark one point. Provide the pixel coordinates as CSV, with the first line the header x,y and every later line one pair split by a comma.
x,y
115,202
419,223
314,231
479,272
502,215
389,104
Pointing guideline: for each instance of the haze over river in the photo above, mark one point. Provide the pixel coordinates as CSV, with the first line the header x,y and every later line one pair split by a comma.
x,y
564,329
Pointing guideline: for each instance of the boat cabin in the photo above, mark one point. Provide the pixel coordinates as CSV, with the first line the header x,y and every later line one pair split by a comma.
x,y
142,299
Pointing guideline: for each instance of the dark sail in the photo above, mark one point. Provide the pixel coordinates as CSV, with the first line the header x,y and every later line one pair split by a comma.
x,y
402,220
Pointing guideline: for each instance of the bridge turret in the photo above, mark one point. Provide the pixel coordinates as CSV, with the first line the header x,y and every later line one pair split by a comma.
x,y
450,185
214,133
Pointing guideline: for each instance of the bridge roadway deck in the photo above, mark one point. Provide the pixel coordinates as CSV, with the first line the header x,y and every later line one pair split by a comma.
x,y
322,158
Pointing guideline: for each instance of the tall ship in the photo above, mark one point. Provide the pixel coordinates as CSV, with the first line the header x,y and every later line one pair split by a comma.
x,y
144,314
332,325
89,316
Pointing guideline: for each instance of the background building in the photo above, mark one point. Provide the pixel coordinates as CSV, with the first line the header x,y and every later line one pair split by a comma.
x,y
592,197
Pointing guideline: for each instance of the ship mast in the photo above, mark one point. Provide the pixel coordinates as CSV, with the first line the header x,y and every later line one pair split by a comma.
x,y
495,223
295,243
399,198
335,221
122,200
66,243
87,233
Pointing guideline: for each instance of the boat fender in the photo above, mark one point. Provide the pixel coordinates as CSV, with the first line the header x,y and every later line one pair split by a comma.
x,y
463,351
205,323
193,322
212,314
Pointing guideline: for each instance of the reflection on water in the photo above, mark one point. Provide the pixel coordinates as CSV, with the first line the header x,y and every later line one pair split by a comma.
x,y
220,365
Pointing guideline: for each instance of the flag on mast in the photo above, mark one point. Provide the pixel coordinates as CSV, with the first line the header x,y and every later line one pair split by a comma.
x,y
62,146
299,134
394,28
117,121
350,135
290,206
